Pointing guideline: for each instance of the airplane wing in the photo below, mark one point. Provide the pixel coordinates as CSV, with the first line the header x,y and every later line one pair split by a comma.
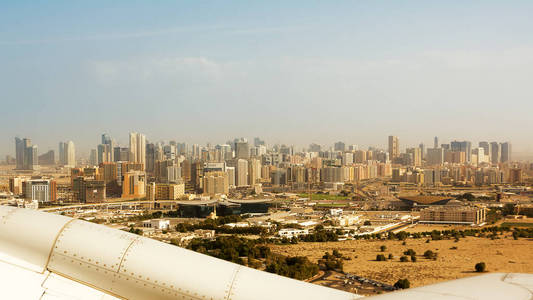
x,y
48,256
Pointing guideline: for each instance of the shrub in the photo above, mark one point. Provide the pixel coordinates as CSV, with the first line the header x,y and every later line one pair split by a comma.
x,y
409,252
404,259
480,267
391,256
381,257
367,223
383,248
402,284
430,254
413,258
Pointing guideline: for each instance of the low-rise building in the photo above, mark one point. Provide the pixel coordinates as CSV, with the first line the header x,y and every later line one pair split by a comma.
x,y
453,215
292,232
160,224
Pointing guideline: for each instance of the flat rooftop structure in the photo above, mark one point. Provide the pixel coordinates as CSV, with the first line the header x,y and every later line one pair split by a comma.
x,y
425,200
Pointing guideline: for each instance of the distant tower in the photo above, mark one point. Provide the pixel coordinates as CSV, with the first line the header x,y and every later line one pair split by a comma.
x,y
436,142
394,147
138,148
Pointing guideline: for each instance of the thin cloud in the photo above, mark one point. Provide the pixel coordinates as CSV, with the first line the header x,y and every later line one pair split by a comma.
x,y
151,33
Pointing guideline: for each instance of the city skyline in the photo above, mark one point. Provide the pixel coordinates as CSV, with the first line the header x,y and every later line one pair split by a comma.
x,y
292,73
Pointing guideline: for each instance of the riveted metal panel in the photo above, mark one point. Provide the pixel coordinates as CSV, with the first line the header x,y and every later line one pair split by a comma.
x,y
28,235
90,253
151,269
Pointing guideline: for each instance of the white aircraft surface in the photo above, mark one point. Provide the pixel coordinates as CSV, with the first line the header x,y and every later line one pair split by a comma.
x,y
48,256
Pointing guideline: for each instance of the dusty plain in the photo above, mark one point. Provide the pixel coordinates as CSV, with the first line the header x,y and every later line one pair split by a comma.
x,y
501,255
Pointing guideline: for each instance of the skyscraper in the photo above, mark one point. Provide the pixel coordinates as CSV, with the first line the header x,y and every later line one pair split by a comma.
x,y
436,142
138,148
394,147
67,154
494,152
339,146
505,152
241,170
486,148
26,154
242,150
464,146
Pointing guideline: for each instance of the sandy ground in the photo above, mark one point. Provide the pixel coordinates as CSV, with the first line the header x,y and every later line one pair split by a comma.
x,y
500,255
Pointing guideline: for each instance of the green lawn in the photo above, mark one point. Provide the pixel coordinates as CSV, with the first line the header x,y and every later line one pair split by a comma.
x,y
512,224
323,197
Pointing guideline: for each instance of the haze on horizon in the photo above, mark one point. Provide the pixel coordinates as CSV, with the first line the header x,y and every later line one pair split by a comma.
x,y
289,72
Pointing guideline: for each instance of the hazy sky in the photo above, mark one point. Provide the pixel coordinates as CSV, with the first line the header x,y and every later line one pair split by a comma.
x,y
292,72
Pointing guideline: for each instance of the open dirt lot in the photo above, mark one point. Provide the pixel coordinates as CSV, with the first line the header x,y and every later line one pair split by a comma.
x,y
500,255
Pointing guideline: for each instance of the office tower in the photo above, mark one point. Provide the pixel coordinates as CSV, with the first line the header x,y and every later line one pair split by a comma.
x,y
121,154
104,153
416,156
314,148
48,158
339,146
241,172
464,146
353,148
486,149
154,153
254,171
107,140
505,152
216,182
93,158
231,176
394,147
495,152
422,150
137,148
26,155
436,142
67,154
435,157
478,155
258,142
242,150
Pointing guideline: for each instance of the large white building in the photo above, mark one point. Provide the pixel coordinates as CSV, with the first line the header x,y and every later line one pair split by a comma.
x,y
138,148
241,176
67,154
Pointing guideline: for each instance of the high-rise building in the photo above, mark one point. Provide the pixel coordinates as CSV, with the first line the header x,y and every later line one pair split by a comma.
x,y
394,147
216,182
505,152
258,142
422,150
339,146
436,142
242,150
435,157
67,154
495,153
48,158
26,155
137,148
416,156
486,149
463,146
241,172
93,158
